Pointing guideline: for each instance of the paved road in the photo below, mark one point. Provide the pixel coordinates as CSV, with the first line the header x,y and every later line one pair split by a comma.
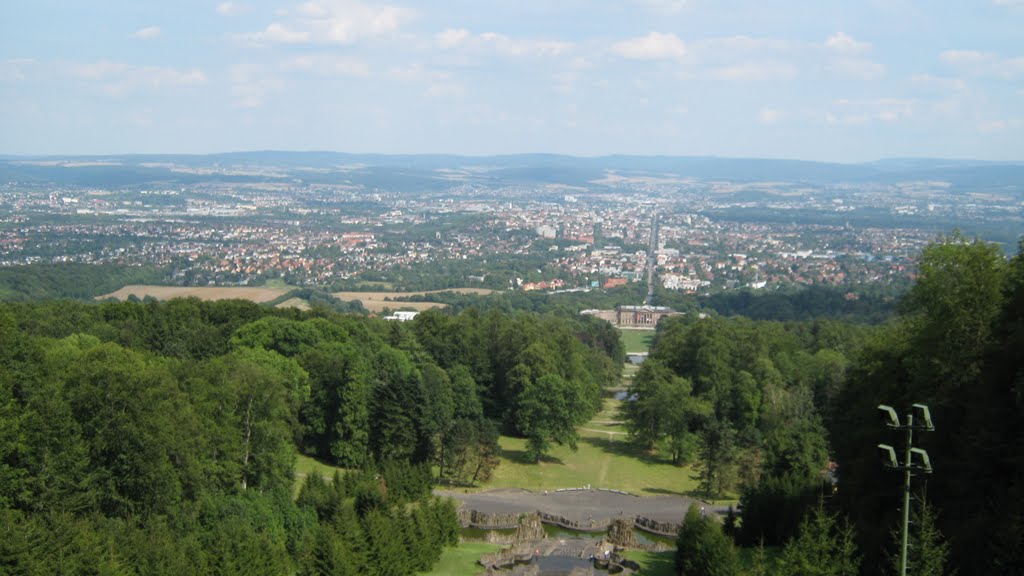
x,y
577,505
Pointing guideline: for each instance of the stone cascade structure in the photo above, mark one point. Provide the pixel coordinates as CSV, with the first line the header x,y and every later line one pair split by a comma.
x,y
663,528
620,533
530,528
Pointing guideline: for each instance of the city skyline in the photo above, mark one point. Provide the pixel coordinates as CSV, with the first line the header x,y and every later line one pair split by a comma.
x,y
829,81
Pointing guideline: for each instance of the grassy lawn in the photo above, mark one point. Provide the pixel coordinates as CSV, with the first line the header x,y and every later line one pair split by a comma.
x,y
304,466
277,283
462,560
629,371
604,459
653,563
636,340
662,563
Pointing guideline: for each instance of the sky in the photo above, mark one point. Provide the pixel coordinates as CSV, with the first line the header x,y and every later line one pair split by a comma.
x,y
833,80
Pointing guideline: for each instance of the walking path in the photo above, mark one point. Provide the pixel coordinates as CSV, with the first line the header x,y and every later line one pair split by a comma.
x,y
576,505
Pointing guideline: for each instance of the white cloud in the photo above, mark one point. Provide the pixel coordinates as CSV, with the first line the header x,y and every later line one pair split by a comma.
x,y
332,22
731,45
965,57
147,33
492,42
251,84
1008,2
518,47
1012,67
445,90
565,82
993,126
438,84
12,71
117,78
329,65
664,6
769,116
857,68
984,63
451,37
756,70
276,33
1001,125
927,81
854,112
681,110
232,8
845,44
654,46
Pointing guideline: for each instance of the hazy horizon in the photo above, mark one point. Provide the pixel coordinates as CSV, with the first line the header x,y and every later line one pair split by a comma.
x,y
470,155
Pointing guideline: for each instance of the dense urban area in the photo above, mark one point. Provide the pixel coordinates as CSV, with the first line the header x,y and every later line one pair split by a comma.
x,y
269,221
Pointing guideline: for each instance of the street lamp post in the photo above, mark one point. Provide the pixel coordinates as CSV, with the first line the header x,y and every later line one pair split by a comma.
x,y
908,466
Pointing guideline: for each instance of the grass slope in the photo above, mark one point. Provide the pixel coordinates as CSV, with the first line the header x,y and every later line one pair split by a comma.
x,y
663,563
305,465
636,340
604,459
461,560
653,563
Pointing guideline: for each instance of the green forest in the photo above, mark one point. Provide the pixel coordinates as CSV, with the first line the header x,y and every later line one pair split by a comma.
x,y
161,437
761,408
150,438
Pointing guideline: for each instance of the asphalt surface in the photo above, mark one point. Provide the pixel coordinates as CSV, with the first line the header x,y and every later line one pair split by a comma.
x,y
577,505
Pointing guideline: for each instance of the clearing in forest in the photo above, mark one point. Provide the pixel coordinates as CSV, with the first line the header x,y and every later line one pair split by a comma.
x,y
378,301
604,459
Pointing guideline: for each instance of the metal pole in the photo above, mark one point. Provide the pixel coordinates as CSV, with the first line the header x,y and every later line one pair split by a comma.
x,y
906,496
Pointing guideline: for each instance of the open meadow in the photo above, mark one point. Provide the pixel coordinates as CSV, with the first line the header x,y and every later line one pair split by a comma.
x,y
604,459
378,301
255,294
372,301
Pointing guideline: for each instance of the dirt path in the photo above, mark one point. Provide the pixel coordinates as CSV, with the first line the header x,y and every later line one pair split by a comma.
x,y
604,470
610,433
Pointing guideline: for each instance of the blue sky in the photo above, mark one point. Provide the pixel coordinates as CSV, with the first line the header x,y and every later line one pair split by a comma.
x,y
813,79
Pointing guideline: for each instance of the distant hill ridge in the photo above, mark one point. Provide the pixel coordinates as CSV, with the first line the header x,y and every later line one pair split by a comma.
x,y
438,171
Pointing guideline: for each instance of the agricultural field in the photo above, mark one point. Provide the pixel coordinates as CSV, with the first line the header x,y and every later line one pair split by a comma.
x,y
372,301
254,294
378,301
294,303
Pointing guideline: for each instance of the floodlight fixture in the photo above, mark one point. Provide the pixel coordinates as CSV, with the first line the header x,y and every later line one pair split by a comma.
x,y
926,416
926,464
891,461
894,420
